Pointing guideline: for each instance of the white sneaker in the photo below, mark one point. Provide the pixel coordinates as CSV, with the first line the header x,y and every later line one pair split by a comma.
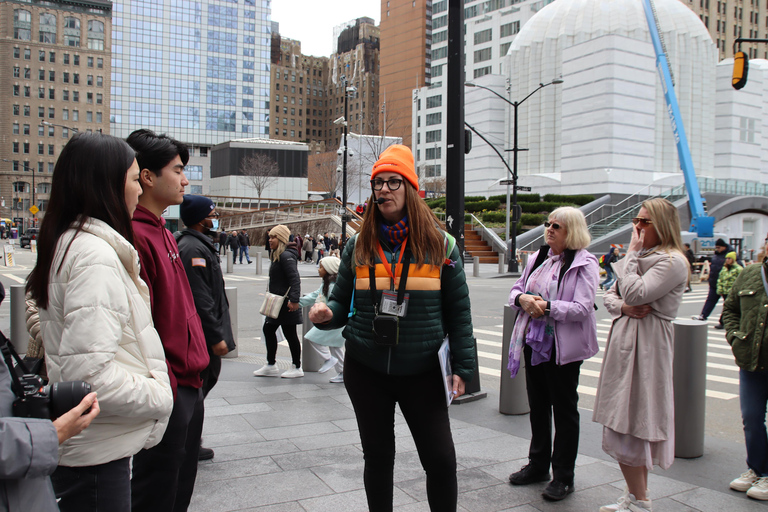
x,y
328,364
759,489
628,502
698,317
338,379
268,370
293,373
745,481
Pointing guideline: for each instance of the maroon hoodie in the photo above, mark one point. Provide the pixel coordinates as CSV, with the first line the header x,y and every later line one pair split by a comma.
x,y
173,306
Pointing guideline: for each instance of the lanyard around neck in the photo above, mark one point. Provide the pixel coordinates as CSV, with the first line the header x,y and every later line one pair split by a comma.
x,y
384,258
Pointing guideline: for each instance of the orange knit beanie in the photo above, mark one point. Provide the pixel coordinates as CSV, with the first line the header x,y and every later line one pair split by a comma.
x,y
397,158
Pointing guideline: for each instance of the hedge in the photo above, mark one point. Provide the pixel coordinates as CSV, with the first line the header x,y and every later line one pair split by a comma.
x,y
473,199
578,199
521,198
479,206
544,206
436,203
527,219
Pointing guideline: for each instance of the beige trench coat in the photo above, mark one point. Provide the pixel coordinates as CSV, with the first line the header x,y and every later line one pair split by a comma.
x,y
634,393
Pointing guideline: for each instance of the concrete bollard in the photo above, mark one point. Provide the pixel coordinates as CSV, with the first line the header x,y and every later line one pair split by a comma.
x,y
502,263
258,263
524,260
230,264
476,266
690,384
231,293
513,397
19,333
310,359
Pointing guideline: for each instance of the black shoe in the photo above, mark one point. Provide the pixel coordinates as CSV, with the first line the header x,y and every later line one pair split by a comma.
x,y
528,475
719,326
250,261
556,491
205,454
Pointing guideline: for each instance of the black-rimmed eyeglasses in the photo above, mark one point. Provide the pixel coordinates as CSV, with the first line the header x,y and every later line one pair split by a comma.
x,y
392,183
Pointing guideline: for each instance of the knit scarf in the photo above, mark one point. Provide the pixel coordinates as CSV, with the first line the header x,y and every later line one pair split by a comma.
x,y
396,233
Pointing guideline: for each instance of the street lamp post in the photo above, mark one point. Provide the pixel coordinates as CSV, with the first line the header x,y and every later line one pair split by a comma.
x,y
345,122
512,237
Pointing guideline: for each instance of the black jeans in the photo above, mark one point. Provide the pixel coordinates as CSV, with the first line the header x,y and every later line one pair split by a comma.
x,y
712,298
164,476
552,389
105,487
211,374
422,402
270,340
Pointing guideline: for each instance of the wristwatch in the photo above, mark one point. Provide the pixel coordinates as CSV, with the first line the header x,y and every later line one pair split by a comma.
x,y
546,310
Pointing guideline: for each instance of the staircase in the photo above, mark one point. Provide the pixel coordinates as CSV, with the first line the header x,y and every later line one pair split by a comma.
x,y
475,246
624,216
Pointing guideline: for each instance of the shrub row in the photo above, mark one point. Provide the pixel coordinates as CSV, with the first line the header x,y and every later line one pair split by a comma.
x,y
526,219
579,199
521,198
478,206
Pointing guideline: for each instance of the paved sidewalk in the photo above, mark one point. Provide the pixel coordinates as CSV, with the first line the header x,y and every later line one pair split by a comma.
x,y
291,445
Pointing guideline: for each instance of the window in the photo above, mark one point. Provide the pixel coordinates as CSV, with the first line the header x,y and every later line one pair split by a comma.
x,y
52,76
27,73
440,53
89,97
90,62
16,72
510,29
76,60
194,172
50,150
71,31
48,29
41,74
15,146
51,131
41,93
482,71
27,54
26,129
75,78
75,96
65,95
75,115
434,101
15,128
65,114
26,148
51,93
99,98
66,59
98,117
40,111
100,63
22,25
504,48
433,119
89,80
40,148
483,55
95,35
16,90
89,117
27,110
51,113
21,187
16,52
65,77
99,81
434,136
483,36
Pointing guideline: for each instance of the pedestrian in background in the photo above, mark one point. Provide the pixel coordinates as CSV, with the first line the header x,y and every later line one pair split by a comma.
x,y
283,278
307,249
635,400
744,319
556,331
164,476
691,259
611,257
400,245
328,344
717,262
222,242
245,242
234,245
725,280
96,321
201,263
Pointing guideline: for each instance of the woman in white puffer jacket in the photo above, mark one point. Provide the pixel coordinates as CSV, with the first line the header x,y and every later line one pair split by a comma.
x,y
96,320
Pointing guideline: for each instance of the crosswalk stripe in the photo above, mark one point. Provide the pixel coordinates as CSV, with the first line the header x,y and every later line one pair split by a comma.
x,y
483,331
14,278
496,344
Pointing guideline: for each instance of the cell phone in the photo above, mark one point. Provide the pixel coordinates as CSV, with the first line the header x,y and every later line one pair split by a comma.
x,y
386,330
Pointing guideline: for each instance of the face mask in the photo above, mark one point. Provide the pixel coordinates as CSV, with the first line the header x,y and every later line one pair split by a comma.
x,y
215,226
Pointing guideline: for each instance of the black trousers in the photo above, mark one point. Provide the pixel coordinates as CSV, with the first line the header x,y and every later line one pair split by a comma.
x,y
553,389
94,488
211,374
164,476
422,402
270,340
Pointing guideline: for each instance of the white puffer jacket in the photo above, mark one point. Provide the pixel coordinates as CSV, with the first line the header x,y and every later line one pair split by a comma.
x,y
98,328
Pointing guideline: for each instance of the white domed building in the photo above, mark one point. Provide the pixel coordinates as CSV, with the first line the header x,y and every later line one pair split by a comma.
x,y
605,129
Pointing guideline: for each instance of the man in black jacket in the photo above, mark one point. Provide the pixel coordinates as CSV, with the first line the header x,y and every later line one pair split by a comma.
x,y
718,260
201,264
234,245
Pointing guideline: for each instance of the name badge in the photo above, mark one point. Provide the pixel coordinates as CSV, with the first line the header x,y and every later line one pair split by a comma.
x,y
389,305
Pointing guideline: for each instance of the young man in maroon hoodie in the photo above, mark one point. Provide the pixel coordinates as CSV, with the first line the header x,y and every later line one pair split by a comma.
x,y
164,476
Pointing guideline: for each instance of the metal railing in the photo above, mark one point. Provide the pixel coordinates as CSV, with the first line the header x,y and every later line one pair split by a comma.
x,y
285,214
497,244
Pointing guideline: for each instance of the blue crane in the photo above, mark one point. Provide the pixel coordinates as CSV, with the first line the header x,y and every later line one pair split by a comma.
x,y
701,223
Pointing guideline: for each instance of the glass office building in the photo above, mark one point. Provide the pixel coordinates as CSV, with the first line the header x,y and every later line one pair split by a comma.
x,y
197,70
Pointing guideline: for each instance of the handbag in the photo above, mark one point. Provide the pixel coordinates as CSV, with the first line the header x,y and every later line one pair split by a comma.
x,y
273,304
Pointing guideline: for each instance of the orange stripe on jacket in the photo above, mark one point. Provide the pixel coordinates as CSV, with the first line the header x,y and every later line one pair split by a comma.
x,y
421,277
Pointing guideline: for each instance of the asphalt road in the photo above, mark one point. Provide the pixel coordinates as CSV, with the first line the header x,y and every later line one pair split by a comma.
x,y
488,295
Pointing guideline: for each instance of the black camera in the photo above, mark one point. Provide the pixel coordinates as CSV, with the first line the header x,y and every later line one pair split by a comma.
x,y
37,400
386,330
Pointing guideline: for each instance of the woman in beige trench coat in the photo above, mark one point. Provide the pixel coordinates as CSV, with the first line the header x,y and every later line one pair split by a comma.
x,y
634,399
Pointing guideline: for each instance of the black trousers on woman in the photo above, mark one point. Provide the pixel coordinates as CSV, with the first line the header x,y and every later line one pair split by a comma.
x,y
552,389
422,402
270,339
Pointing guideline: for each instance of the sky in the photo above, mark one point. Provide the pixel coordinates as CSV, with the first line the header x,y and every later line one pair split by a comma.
x,y
312,21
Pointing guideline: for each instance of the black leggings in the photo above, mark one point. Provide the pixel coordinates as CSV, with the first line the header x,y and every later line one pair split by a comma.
x,y
422,402
270,339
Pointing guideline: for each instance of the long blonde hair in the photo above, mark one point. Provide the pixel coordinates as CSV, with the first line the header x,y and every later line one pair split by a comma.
x,y
666,222
424,237
280,250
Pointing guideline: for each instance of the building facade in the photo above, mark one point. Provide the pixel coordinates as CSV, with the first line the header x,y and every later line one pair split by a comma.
x,y
196,70
55,81
727,20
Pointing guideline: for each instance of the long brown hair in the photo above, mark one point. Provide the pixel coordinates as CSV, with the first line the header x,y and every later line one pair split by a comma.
x,y
88,181
424,237
666,222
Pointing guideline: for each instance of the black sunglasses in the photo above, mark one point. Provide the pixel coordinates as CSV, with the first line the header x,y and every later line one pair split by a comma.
x,y
638,220
392,183
553,225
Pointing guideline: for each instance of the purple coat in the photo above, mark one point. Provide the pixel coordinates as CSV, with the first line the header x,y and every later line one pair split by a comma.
x,y
573,311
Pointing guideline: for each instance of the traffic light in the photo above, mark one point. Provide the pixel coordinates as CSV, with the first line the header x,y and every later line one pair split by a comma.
x,y
467,141
740,70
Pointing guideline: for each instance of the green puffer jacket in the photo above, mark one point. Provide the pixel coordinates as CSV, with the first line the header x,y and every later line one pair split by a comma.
x,y
430,316
745,314
727,277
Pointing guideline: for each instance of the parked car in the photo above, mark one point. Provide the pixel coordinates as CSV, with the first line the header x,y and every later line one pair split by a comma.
x,y
27,237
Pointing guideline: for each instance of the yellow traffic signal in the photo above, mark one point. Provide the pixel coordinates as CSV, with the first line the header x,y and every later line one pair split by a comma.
x,y
740,70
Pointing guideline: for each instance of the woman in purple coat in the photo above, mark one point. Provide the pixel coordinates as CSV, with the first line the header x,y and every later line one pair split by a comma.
x,y
554,332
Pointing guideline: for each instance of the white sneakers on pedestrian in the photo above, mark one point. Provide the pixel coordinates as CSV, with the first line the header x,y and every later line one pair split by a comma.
x,y
328,364
745,481
268,370
628,502
759,489
338,379
698,317
293,373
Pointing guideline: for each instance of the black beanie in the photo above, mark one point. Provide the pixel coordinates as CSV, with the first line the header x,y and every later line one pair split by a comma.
x,y
194,209
720,243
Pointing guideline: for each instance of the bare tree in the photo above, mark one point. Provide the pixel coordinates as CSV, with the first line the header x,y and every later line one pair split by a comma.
x,y
324,176
261,171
